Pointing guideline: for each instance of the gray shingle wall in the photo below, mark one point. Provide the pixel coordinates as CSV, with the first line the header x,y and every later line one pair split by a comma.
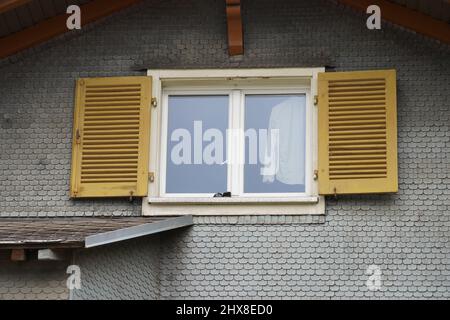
x,y
126,270
406,235
308,260
33,280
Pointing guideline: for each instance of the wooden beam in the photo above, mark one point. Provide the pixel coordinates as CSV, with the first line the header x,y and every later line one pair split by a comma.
x,y
234,26
18,255
53,254
38,246
56,26
6,5
406,17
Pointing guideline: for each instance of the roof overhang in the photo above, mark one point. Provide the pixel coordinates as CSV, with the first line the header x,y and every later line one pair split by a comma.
x,y
141,230
405,17
52,233
415,19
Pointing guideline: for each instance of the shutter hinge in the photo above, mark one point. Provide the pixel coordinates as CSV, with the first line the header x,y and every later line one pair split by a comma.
x,y
151,176
316,175
77,136
154,102
316,100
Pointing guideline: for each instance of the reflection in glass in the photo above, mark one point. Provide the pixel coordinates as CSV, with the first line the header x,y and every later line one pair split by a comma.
x,y
278,123
196,144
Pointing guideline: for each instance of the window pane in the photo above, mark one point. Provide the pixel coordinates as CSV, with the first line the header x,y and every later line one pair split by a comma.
x,y
196,144
274,143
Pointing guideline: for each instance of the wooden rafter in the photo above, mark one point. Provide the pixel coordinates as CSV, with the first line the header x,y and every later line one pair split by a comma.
x,y
6,5
405,17
234,26
96,9
56,26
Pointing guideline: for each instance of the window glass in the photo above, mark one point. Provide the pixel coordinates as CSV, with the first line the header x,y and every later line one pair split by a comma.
x,y
274,143
196,144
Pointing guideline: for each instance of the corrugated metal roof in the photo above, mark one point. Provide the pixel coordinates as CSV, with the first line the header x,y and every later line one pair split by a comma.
x,y
78,232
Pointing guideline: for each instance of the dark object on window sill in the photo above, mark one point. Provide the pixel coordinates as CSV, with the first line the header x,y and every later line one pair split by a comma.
x,y
223,195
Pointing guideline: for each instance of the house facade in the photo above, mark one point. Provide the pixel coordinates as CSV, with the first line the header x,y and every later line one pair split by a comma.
x,y
389,243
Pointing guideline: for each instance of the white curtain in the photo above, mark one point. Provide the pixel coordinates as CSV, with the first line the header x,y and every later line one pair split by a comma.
x,y
284,157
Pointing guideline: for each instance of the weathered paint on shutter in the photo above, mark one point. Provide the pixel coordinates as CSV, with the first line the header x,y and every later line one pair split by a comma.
x,y
111,137
357,132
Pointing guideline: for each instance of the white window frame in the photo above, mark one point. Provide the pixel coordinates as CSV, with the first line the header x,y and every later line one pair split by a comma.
x,y
234,81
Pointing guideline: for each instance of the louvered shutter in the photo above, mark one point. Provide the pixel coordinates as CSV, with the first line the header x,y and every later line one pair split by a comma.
x,y
357,132
111,137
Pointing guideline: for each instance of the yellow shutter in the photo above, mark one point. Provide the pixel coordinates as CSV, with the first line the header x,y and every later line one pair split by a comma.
x,y
357,132
111,137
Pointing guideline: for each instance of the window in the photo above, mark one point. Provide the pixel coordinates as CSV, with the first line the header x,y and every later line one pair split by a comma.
x,y
236,136
245,141
194,121
275,151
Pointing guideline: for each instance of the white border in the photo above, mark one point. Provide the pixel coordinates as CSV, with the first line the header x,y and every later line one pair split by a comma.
x,y
242,79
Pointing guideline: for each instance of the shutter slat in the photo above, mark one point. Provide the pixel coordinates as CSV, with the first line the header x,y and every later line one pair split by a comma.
x,y
357,108
116,90
341,113
357,157
372,119
355,152
361,98
349,162
112,104
358,142
111,123
357,132
112,118
356,137
107,134
107,142
355,88
106,157
119,112
112,94
356,103
118,98
346,94
359,127
359,176
111,108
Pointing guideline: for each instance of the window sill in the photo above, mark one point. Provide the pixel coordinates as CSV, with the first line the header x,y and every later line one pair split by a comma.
x,y
248,206
233,200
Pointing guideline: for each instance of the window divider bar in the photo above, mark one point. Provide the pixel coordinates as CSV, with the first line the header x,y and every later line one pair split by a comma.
x,y
235,143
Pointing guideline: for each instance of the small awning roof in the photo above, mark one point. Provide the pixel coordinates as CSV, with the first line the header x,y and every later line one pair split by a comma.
x,y
38,233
